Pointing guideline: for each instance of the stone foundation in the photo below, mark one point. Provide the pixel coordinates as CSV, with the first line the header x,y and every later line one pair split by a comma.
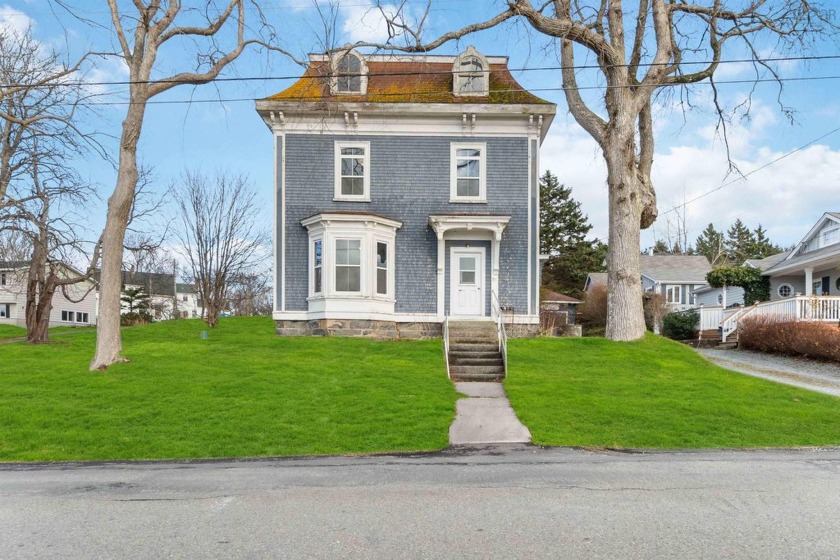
x,y
356,327
518,330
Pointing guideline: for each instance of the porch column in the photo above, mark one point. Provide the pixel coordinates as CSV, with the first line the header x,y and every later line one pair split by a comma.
x,y
723,301
441,262
809,281
494,272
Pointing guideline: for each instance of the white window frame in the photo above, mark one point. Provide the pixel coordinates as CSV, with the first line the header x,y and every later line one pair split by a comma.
x,y
369,230
365,196
360,266
482,172
672,289
824,242
363,73
785,285
312,241
483,74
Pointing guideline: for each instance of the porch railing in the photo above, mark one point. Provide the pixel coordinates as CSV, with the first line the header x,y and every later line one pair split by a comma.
x,y
799,308
500,327
446,345
710,318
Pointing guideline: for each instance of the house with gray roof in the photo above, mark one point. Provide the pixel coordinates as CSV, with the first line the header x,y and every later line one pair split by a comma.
x,y
675,277
813,266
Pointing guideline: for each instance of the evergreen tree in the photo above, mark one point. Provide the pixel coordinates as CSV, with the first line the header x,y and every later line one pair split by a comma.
x,y
710,244
563,230
562,224
762,246
740,242
137,302
661,248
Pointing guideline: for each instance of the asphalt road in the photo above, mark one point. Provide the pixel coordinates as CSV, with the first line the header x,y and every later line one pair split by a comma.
x,y
520,502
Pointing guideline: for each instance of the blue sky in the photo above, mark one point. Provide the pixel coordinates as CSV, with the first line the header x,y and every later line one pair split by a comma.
x,y
786,198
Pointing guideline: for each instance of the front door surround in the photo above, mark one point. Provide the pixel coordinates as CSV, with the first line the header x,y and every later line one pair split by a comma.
x,y
467,282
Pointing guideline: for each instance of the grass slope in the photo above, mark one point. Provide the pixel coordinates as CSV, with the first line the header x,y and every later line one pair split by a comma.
x,y
656,393
242,392
11,331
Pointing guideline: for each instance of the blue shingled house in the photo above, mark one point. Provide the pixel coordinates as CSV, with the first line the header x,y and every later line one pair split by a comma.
x,y
406,192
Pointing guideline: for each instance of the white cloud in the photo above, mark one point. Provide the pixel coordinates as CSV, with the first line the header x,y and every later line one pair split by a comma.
x,y
786,198
365,22
14,21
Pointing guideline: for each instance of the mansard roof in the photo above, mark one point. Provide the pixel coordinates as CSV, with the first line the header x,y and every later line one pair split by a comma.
x,y
407,79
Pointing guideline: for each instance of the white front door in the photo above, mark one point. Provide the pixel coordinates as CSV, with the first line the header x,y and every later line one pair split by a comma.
x,y
466,282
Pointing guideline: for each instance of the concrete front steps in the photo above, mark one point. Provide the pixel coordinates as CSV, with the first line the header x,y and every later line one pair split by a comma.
x,y
474,352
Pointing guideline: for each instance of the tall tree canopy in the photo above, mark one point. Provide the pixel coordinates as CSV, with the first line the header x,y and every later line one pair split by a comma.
x,y
563,231
639,47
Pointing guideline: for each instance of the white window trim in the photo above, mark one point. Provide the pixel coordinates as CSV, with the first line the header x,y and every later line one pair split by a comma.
x,y
361,266
363,73
457,73
824,236
312,240
365,196
482,172
779,290
672,289
369,230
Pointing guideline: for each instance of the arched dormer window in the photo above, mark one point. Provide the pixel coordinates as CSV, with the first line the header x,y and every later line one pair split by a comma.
x,y
471,73
349,73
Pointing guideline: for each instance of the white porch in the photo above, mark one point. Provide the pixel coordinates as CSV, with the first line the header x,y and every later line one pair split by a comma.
x,y
798,308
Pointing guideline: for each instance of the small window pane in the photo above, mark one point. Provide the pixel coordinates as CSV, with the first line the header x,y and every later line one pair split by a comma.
x,y
317,287
469,168
352,151
381,254
318,254
467,277
469,187
467,263
349,64
463,153
347,279
381,281
352,167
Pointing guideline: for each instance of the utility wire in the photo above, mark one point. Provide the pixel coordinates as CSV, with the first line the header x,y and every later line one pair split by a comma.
x,y
421,93
443,72
756,170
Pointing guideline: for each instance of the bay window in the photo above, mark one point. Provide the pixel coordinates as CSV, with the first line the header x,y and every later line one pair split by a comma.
x,y
351,263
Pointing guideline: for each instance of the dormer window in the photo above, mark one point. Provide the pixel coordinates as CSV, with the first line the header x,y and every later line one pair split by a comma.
x,y
349,74
471,74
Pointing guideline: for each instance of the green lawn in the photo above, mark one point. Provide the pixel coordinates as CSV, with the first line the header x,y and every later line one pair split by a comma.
x,y
11,331
242,392
656,394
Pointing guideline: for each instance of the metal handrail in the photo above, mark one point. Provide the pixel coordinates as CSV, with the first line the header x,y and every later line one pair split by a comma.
x,y
500,327
446,345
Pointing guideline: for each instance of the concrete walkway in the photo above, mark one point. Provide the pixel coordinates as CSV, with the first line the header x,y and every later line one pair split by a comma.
x,y
485,417
822,377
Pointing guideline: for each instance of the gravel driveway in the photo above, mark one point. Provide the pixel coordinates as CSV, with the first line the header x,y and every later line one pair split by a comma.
x,y
801,372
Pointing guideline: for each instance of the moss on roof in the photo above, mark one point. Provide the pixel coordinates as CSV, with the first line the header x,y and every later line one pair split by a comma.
x,y
407,82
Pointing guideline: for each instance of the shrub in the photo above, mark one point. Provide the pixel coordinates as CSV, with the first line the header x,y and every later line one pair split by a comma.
x,y
656,308
681,325
594,309
795,338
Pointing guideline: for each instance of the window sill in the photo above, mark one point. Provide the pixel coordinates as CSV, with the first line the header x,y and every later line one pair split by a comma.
x,y
350,199
467,201
351,296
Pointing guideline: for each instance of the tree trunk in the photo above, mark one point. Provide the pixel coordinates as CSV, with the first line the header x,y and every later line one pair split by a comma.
x,y
38,331
108,337
625,313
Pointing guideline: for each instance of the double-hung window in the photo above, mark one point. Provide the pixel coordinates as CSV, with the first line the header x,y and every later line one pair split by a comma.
x,y
381,268
317,266
674,294
468,174
352,171
348,265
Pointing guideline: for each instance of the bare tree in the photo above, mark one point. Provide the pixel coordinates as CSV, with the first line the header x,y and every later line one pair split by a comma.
x,y
218,235
39,190
14,245
142,31
651,45
250,294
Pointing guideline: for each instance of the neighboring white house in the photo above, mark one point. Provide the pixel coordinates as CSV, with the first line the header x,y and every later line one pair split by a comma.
x,y
168,298
813,266
74,305
675,277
